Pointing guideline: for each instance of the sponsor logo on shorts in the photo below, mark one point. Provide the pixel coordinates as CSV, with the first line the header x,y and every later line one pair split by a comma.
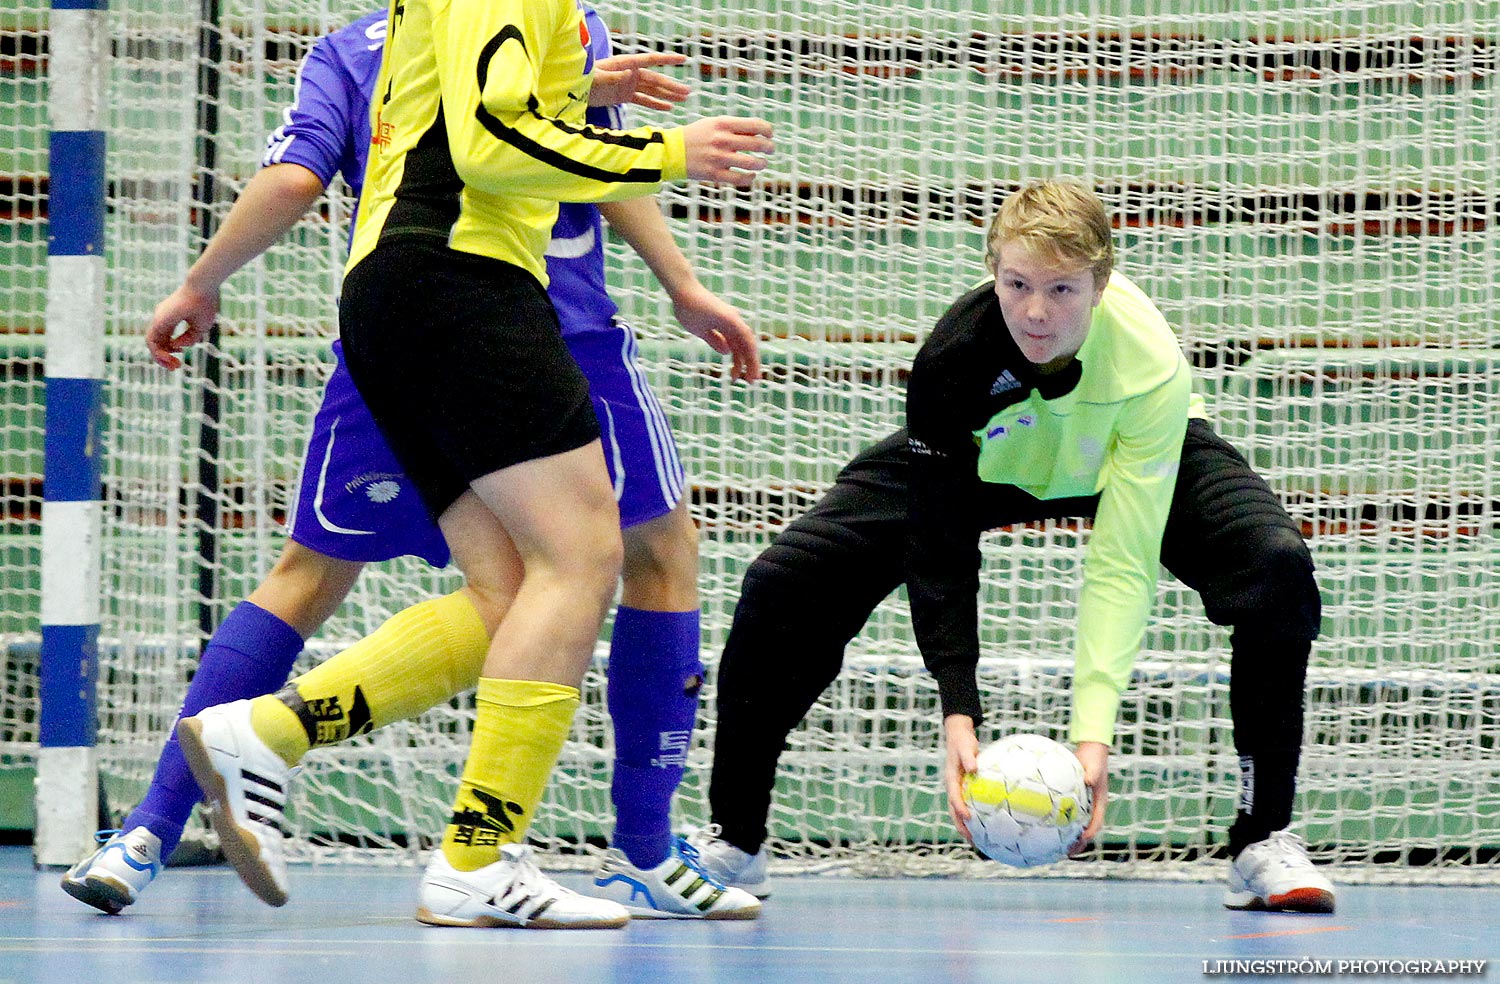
x,y
378,486
382,491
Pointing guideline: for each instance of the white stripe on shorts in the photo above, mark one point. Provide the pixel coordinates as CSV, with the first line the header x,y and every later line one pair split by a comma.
x,y
614,450
669,475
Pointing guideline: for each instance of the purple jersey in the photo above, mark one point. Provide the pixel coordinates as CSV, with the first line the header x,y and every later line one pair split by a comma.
x,y
575,256
327,131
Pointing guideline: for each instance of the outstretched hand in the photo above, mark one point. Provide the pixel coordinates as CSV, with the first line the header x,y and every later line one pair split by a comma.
x,y
621,79
725,149
719,323
196,308
1094,756
962,760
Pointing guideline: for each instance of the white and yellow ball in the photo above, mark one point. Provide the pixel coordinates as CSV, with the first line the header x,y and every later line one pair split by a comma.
x,y
1028,799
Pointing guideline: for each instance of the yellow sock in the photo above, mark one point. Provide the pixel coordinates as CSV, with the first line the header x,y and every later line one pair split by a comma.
x,y
519,730
419,658
279,727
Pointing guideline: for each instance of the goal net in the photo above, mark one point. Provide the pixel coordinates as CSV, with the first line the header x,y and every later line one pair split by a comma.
x,y
1307,189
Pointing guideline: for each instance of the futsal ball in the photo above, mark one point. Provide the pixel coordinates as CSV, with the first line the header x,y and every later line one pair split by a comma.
x,y
1028,800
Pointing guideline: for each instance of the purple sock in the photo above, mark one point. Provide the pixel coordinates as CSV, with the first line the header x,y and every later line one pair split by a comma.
x,y
652,693
250,654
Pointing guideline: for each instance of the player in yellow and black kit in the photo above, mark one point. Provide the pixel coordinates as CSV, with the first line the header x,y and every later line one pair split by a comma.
x,y
1055,390
477,133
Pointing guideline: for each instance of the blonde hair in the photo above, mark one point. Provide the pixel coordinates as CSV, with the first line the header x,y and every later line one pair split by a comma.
x,y
1060,217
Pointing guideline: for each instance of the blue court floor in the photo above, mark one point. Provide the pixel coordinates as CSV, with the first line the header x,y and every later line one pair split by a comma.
x,y
354,924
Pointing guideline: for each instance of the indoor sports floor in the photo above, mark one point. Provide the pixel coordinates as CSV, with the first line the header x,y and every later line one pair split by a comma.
x,y
354,924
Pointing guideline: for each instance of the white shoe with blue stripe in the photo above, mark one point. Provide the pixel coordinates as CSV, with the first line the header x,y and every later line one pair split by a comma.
x,y
115,875
678,888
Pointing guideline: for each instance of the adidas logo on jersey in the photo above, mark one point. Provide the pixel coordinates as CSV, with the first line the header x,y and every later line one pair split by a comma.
x,y
1004,383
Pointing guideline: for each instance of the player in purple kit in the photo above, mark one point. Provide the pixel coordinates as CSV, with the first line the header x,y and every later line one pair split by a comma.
x,y
355,505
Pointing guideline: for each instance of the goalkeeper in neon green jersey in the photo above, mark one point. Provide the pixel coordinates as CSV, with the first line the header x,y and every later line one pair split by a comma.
x,y
1055,390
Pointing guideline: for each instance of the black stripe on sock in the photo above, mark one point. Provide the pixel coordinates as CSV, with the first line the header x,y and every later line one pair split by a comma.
x,y
289,696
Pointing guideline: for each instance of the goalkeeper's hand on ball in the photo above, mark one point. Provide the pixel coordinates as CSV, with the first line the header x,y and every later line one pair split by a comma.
x,y
962,760
1094,756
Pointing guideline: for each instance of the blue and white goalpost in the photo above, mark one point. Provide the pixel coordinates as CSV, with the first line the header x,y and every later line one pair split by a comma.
x,y
72,513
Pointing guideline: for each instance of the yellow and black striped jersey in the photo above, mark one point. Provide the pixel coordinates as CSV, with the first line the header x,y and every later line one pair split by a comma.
x,y
477,130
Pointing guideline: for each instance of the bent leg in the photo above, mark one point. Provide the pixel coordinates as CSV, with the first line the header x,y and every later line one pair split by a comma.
x,y
418,658
249,654
802,600
427,653
305,587
1229,538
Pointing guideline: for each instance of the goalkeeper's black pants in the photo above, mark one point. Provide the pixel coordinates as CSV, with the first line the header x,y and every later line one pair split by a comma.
x,y
1227,537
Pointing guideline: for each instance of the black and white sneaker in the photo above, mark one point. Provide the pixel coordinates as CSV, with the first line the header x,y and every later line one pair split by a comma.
x,y
511,893
245,784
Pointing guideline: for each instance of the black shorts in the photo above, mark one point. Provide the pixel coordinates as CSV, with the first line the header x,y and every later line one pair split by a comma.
x,y
462,363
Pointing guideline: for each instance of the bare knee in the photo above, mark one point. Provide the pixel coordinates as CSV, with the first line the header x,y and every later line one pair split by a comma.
x,y
580,549
661,564
491,598
559,516
484,553
590,557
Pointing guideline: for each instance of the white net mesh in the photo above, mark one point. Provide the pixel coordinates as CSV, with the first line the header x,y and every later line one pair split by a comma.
x,y
1307,189
23,303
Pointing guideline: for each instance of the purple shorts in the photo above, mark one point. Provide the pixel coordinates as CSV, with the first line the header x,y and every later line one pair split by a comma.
x,y
354,501
638,446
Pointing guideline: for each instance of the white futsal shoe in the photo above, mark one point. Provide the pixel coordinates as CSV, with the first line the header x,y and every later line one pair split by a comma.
x,y
729,865
511,893
245,784
117,873
1276,875
678,888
